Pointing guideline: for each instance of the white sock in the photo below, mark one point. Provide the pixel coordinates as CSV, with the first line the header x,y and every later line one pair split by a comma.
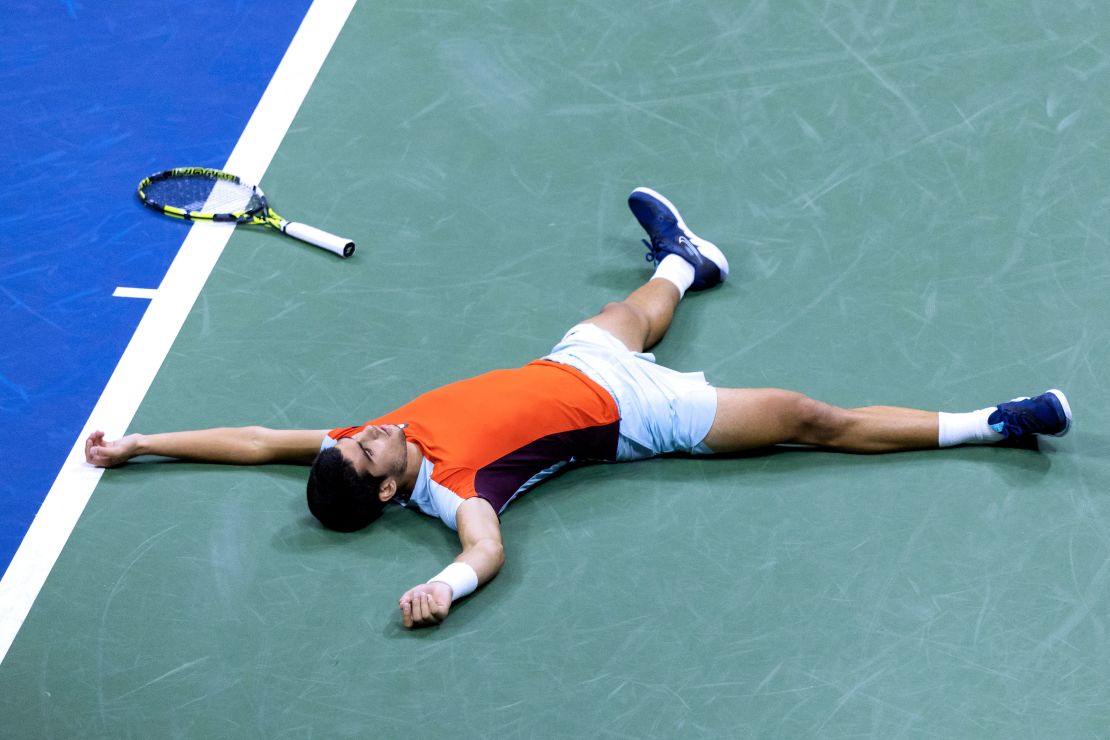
x,y
968,428
677,271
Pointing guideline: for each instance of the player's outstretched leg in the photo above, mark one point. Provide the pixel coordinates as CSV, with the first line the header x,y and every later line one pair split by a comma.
x,y
760,417
684,261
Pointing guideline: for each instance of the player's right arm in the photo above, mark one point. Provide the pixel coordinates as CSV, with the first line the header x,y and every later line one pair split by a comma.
x,y
483,553
232,445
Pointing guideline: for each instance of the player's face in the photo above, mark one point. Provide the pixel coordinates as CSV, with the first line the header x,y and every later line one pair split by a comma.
x,y
379,451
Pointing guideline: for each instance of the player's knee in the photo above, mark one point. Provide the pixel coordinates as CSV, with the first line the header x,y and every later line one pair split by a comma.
x,y
627,315
817,423
620,309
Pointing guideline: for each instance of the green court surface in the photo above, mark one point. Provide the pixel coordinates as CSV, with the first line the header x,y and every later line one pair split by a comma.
x,y
914,198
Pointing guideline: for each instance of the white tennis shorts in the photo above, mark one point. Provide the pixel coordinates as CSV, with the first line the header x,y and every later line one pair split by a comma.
x,y
662,410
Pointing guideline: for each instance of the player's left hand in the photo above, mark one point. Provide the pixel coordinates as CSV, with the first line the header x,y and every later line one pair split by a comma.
x,y
104,454
425,605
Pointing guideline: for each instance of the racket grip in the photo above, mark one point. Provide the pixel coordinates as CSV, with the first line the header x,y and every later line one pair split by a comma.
x,y
316,237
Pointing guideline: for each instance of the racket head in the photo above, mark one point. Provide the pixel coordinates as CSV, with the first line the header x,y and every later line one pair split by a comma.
x,y
202,193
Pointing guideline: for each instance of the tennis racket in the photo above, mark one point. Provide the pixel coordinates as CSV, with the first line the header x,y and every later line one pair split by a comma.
x,y
202,194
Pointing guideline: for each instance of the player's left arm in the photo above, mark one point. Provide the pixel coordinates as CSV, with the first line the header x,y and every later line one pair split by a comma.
x,y
482,557
254,445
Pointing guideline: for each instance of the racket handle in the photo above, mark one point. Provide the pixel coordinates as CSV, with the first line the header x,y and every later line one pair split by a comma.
x,y
316,237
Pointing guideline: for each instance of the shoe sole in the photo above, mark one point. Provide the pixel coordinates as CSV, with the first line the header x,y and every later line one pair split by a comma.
x,y
708,249
1067,410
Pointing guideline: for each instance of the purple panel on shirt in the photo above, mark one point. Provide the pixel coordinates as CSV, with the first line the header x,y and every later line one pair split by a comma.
x,y
499,481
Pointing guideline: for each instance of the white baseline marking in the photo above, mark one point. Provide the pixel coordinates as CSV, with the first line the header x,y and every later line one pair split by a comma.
x,y
122,292
164,317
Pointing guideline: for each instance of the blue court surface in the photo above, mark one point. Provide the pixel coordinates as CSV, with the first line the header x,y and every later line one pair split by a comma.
x,y
93,97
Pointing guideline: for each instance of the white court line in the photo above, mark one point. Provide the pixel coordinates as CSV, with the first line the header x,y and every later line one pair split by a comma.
x,y
122,292
164,317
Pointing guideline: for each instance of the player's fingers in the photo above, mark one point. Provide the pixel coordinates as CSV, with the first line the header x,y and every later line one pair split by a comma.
x,y
435,610
420,608
406,613
431,609
93,439
421,604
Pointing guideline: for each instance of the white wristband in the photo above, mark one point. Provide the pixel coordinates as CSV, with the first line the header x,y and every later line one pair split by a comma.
x,y
460,577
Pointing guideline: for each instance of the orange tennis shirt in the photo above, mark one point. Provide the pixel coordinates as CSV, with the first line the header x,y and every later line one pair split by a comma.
x,y
498,434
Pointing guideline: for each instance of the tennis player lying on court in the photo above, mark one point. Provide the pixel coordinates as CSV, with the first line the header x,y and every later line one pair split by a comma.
x,y
465,451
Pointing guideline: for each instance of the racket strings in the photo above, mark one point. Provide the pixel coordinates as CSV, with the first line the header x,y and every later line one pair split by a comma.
x,y
203,194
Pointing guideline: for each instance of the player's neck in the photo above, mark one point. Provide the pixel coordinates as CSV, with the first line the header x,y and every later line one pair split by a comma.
x,y
415,459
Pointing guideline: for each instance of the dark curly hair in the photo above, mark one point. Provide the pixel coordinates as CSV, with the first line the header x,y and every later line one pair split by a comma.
x,y
339,496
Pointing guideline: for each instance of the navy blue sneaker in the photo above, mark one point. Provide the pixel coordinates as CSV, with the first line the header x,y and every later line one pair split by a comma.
x,y
1048,413
669,235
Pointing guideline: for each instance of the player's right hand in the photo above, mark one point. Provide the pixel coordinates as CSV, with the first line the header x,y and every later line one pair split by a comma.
x,y
425,605
110,454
